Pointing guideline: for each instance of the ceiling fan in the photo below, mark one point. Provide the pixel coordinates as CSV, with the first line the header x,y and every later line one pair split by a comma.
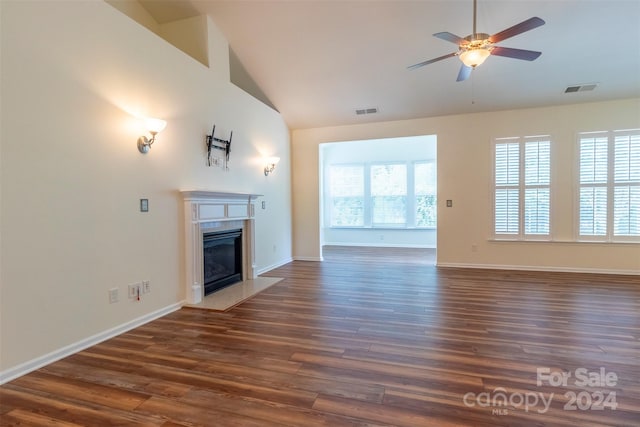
x,y
476,47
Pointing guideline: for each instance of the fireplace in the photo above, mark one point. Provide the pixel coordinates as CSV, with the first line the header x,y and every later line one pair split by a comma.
x,y
222,259
210,212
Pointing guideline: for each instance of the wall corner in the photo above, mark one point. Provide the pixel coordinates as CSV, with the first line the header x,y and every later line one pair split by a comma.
x,y
218,51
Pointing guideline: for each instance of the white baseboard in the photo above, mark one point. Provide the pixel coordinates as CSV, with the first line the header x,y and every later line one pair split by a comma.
x,y
538,268
39,362
273,266
307,258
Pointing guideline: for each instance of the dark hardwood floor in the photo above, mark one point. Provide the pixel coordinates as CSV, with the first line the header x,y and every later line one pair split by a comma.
x,y
365,338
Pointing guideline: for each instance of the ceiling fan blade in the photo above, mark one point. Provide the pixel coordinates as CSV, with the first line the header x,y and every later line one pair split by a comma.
x,y
447,36
431,61
527,25
464,73
527,55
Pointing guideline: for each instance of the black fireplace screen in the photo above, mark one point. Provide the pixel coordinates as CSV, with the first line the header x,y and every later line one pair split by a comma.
x,y
222,253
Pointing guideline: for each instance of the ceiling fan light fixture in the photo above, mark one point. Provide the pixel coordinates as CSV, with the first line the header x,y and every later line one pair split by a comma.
x,y
474,57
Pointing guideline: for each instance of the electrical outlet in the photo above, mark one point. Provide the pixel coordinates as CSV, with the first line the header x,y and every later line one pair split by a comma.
x,y
113,295
146,286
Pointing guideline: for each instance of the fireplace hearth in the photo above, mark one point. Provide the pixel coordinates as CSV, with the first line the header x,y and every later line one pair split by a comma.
x,y
222,259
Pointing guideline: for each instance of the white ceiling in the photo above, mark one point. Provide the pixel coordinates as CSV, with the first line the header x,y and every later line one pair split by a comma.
x,y
319,61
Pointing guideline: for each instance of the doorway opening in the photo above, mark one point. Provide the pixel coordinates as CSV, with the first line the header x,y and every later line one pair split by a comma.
x,y
379,193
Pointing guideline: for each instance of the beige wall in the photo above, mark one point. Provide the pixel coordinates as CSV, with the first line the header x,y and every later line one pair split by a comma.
x,y
74,77
464,175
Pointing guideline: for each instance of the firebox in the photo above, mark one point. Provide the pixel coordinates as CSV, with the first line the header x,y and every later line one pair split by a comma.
x,y
222,253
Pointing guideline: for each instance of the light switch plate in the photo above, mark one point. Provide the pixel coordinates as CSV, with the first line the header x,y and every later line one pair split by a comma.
x,y
113,295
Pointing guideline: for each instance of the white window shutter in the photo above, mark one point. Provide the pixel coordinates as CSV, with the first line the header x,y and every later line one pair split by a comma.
x,y
593,164
593,211
626,177
506,211
522,194
610,185
537,171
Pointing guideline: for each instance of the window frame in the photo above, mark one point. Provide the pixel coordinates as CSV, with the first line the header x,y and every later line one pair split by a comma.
x,y
610,186
413,200
521,187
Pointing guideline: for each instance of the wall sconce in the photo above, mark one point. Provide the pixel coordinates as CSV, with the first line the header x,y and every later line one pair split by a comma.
x,y
270,165
154,126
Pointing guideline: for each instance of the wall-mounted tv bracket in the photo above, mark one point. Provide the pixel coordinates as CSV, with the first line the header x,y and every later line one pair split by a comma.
x,y
218,144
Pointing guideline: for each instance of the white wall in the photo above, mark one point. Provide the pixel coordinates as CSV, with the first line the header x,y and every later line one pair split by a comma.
x,y
74,77
464,175
408,150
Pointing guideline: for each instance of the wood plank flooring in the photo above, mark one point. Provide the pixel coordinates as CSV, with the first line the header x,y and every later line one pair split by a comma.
x,y
365,338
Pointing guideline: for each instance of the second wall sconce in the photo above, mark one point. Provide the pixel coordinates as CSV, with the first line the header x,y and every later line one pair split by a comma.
x,y
154,126
270,164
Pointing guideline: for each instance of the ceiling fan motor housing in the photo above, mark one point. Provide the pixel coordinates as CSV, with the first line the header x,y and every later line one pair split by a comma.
x,y
477,37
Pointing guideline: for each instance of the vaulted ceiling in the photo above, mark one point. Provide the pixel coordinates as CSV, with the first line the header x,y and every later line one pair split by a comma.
x,y
320,61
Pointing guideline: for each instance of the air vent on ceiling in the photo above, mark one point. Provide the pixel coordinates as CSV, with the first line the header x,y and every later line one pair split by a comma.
x,y
371,110
587,87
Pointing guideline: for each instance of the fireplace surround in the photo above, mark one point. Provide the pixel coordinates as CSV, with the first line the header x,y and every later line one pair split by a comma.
x,y
208,212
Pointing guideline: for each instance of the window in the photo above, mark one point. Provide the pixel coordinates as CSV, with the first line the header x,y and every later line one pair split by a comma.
x,y
522,171
395,195
507,167
425,194
594,151
389,194
537,179
609,181
346,187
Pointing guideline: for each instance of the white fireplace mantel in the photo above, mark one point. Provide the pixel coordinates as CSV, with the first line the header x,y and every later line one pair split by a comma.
x,y
207,211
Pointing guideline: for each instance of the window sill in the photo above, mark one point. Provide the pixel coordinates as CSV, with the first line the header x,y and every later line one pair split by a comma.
x,y
564,241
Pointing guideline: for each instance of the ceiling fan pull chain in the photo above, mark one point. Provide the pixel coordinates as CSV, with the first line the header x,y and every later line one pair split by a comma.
x,y
473,93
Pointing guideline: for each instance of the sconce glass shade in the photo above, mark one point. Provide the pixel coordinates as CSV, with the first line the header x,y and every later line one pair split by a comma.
x,y
272,160
154,126
474,57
